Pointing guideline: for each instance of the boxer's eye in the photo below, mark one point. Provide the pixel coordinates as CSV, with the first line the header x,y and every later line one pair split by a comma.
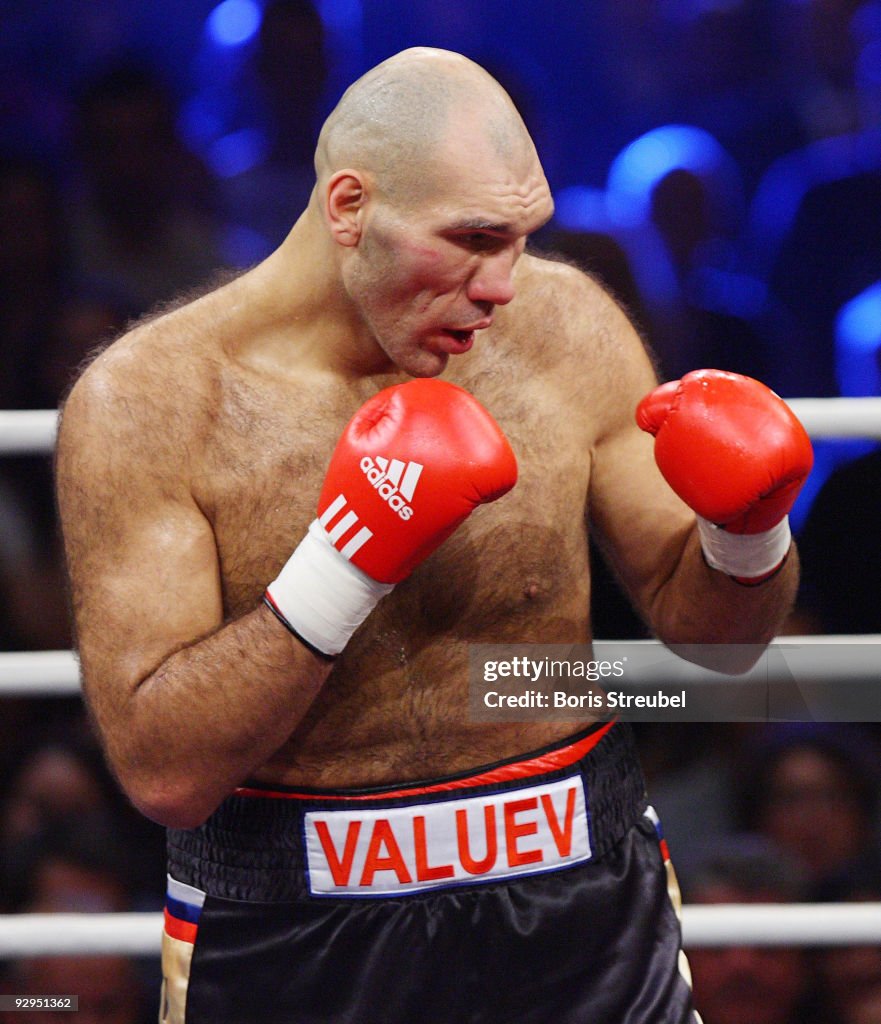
x,y
480,241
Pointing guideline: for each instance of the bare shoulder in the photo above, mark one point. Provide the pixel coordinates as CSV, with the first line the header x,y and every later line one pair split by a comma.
x,y
146,396
128,452
573,309
580,331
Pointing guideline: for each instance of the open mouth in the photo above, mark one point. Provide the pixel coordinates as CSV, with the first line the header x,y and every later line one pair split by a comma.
x,y
456,342
460,339
463,337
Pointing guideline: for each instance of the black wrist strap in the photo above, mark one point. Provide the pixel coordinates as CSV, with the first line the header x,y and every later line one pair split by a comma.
x,y
310,647
748,583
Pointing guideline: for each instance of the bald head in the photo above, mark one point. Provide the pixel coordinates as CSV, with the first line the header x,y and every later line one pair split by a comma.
x,y
393,121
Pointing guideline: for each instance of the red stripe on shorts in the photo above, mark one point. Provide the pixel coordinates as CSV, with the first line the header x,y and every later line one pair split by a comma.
x,y
539,765
177,929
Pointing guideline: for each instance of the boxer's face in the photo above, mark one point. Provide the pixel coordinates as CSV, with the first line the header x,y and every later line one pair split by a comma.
x,y
429,273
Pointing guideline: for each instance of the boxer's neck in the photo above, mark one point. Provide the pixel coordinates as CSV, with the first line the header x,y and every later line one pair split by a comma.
x,y
300,312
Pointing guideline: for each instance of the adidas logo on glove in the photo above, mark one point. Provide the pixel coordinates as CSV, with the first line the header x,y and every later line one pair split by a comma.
x,y
395,481
323,598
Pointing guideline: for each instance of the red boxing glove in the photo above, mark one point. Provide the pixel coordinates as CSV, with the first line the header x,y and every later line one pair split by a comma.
x,y
412,464
736,453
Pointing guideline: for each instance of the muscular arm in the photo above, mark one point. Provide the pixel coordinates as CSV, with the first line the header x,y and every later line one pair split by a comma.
x,y
650,534
186,705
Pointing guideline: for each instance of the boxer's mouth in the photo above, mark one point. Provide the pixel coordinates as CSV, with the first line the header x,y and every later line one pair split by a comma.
x,y
461,340
466,333
462,335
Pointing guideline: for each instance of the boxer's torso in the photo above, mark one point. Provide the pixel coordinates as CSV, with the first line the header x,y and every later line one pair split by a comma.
x,y
395,706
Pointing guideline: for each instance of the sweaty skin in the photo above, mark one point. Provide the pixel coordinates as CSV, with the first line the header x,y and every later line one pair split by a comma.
x,y
193,450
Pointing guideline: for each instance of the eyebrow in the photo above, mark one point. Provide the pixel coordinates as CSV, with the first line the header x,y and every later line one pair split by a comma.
x,y
481,224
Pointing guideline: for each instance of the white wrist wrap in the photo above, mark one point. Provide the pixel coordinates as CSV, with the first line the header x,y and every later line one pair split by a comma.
x,y
746,555
322,595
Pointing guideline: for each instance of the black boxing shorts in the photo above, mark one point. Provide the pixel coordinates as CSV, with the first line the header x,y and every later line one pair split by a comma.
x,y
527,891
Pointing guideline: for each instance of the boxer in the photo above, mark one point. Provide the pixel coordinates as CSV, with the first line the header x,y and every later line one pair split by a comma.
x,y
291,504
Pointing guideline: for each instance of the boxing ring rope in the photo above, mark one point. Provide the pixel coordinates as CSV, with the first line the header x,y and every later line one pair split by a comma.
x,y
32,431
839,417
27,431
39,674
753,924
56,673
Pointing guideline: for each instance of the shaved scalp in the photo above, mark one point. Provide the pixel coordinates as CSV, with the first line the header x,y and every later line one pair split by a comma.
x,y
392,120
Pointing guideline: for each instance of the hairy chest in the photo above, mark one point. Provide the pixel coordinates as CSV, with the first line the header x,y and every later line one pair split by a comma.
x,y
522,557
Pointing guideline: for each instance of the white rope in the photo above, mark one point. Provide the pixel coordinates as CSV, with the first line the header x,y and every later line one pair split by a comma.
x,y
39,674
56,673
32,431
27,431
839,417
771,924
774,924
136,934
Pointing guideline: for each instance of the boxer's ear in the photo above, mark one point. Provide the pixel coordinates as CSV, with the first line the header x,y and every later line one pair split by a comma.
x,y
347,193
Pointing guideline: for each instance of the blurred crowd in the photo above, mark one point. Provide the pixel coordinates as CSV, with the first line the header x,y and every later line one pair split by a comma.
x,y
733,206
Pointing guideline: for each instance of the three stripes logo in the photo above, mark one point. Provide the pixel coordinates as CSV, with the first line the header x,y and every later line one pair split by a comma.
x,y
394,481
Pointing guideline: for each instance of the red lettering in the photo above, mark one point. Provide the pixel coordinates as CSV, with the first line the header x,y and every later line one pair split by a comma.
x,y
472,866
339,869
393,861
424,872
513,832
562,837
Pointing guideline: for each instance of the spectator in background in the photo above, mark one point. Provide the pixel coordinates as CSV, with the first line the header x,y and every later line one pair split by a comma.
x,y
70,845
141,224
109,989
700,217
34,608
724,75
290,65
829,251
34,272
66,831
47,326
696,770
58,779
681,186
817,52
747,984
813,791
291,62
74,865
34,281
850,976
840,552
712,65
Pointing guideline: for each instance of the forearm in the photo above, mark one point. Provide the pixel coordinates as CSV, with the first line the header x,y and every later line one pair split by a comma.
x,y
206,717
184,719
737,456
700,605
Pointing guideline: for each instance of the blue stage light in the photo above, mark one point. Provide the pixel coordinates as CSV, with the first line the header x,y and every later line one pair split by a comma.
x,y
234,22
858,344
